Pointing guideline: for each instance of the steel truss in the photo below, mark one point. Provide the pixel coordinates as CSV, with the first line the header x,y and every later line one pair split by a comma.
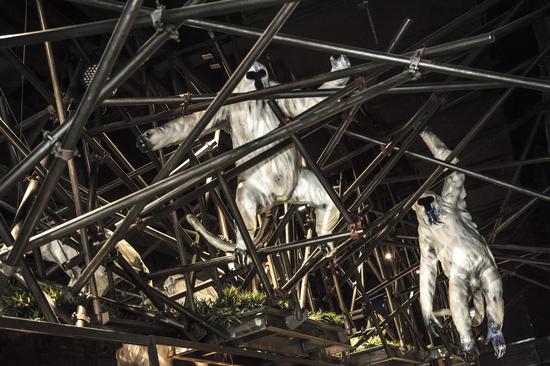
x,y
373,240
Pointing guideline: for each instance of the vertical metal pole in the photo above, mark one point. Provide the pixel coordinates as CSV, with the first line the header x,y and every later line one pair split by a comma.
x,y
183,261
73,175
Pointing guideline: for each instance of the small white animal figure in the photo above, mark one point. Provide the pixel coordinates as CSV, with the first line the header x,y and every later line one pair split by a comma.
x,y
136,355
447,233
57,252
277,180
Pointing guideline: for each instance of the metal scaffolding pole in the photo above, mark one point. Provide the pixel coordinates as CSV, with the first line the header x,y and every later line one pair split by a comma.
x,y
65,150
73,174
107,26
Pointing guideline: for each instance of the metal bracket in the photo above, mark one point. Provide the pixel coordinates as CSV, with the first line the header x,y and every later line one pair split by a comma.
x,y
185,102
61,153
99,158
293,321
361,82
356,229
82,316
156,18
140,225
414,63
57,149
385,149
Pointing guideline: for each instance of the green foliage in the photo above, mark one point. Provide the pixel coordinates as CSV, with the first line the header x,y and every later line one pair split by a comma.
x,y
227,310
18,302
328,317
372,342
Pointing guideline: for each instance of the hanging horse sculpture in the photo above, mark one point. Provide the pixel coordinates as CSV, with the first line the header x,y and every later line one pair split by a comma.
x,y
446,232
282,178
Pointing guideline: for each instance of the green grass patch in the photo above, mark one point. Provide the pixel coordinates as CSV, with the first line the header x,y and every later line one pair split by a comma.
x,y
18,302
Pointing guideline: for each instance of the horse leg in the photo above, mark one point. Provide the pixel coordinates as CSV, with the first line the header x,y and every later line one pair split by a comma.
x,y
310,191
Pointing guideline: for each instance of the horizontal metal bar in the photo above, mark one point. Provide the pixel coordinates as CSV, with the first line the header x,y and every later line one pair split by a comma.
x,y
170,16
108,335
412,88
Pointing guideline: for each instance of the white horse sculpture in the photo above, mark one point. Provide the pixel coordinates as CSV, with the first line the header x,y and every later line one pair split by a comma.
x,y
446,232
282,178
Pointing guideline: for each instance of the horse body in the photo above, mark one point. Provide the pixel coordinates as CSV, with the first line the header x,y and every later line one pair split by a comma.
x,y
447,233
282,178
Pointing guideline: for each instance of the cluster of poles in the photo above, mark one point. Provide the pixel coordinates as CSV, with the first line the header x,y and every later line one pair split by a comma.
x,y
385,247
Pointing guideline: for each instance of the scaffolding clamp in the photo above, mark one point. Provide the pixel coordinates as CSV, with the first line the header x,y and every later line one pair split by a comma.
x,y
361,82
81,315
414,63
99,157
59,152
140,224
57,148
185,102
357,228
156,18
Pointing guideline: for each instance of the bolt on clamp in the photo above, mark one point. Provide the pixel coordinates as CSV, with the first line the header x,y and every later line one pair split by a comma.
x,y
414,63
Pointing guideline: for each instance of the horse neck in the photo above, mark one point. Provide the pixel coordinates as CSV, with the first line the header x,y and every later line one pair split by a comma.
x,y
251,120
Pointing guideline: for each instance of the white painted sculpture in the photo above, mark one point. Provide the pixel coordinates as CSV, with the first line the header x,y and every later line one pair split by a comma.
x,y
136,355
283,178
59,253
447,233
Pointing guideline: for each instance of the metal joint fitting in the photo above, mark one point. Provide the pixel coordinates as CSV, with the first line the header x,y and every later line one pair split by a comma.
x,y
357,228
156,18
414,63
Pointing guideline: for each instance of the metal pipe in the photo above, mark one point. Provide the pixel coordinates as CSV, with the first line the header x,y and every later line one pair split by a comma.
x,y
29,75
109,335
399,34
24,166
260,95
169,16
158,298
409,131
73,175
384,57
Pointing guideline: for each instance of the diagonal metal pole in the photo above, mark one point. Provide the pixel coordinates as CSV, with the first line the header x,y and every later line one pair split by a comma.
x,y
515,177
66,149
251,248
183,149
